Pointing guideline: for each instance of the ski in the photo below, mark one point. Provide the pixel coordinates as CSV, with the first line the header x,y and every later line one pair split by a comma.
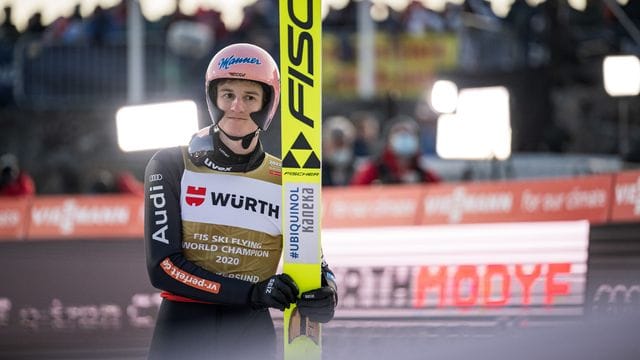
x,y
301,118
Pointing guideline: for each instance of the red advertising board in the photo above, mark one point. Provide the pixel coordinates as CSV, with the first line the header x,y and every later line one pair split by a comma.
x,y
598,199
64,217
13,217
580,198
626,197
371,206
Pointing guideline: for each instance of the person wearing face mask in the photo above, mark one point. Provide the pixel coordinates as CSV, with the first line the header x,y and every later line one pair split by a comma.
x,y
213,227
400,160
338,151
13,180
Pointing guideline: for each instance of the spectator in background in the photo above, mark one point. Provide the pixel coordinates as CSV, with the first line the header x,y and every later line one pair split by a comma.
x,y
102,183
519,21
74,32
452,17
54,32
126,183
213,19
342,22
400,160
427,120
367,136
338,164
13,181
260,25
34,25
190,39
8,32
99,26
418,20
123,182
8,38
118,17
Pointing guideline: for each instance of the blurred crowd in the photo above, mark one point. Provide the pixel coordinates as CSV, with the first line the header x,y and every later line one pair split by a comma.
x,y
358,151
15,181
536,34
360,146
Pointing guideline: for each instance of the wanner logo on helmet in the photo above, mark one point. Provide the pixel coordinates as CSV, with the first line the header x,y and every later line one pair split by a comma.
x,y
226,62
195,195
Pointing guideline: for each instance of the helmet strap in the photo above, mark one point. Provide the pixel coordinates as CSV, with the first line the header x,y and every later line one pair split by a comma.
x,y
246,139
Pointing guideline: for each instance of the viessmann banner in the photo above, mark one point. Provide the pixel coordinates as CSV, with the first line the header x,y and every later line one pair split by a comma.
x,y
585,198
599,199
72,217
13,218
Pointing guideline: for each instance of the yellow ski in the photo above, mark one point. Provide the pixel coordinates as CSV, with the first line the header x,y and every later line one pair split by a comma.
x,y
301,116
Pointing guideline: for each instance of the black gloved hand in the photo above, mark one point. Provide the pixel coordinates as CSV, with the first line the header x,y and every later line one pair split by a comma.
x,y
319,304
278,291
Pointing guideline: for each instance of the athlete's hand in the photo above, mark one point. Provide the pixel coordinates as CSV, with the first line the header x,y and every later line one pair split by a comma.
x,y
278,291
319,304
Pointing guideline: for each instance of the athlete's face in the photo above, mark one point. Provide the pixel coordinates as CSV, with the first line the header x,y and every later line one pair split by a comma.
x,y
238,99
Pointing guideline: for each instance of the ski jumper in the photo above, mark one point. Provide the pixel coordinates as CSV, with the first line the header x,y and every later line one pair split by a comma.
x,y
211,232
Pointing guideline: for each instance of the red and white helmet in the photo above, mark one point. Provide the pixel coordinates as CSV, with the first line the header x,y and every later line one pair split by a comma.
x,y
244,62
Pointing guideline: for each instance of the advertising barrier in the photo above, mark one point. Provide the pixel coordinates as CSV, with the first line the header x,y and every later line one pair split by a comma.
x,y
614,270
542,200
74,299
63,217
626,197
599,199
13,218
481,270
372,206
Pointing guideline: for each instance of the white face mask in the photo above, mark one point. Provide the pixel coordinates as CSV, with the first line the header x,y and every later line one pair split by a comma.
x,y
404,144
341,157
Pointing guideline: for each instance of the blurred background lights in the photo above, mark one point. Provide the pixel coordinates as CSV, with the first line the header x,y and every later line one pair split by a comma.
x,y
621,75
379,12
578,4
501,7
231,10
480,129
154,126
444,96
